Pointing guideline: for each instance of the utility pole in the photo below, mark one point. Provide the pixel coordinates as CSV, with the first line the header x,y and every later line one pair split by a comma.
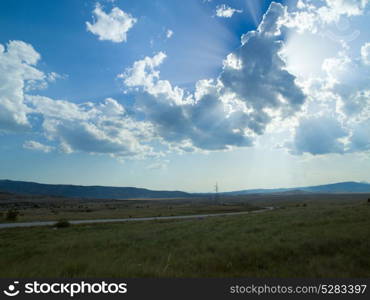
x,y
216,192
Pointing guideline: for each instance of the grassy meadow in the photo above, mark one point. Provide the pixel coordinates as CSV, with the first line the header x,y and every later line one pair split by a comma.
x,y
317,237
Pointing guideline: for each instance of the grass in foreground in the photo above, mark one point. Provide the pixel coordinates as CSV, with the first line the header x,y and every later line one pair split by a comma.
x,y
319,240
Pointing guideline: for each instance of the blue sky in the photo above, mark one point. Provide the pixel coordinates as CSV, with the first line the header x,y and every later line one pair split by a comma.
x,y
181,94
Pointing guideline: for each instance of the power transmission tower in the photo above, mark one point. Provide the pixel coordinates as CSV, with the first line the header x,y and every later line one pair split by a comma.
x,y
216,192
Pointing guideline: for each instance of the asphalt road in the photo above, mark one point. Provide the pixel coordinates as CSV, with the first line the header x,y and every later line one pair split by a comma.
x,y
77,222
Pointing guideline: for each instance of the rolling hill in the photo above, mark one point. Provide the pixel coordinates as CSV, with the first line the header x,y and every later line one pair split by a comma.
x,y
342,187
106,192
94,192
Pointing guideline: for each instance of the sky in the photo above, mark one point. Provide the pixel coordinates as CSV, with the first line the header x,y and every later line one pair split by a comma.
x,y
179,95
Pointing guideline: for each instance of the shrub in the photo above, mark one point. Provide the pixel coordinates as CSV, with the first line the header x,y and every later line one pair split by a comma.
x,y
12,215
62,224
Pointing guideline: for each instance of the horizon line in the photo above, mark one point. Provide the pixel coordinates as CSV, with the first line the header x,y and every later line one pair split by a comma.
x,y
178,190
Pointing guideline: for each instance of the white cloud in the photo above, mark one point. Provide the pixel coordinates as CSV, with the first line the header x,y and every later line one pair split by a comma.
x,y
263,82
17,75
360,138
347,80
103,128
158,165
316,16
51,77
347,7
319,135
36,146
143,74
169,33
365,53
113,26
225,11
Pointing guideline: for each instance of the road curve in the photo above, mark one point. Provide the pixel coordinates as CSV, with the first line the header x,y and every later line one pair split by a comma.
x,y
77,222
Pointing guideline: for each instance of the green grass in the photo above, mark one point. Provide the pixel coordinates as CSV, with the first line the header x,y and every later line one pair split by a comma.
x,y
320,240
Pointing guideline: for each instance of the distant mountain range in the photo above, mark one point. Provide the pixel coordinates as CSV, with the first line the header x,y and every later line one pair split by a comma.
x,y
342,187
78,191
105,192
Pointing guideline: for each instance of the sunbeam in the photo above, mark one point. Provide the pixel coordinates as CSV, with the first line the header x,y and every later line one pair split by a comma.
x,y
255,10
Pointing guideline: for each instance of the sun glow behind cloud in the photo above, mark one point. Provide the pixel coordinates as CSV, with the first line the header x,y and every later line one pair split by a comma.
x,y
305,53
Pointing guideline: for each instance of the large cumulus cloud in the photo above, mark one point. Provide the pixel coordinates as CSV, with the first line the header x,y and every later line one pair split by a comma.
x,y
103,128
261,80
202,119
340,89
17,74
319,135
227,111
